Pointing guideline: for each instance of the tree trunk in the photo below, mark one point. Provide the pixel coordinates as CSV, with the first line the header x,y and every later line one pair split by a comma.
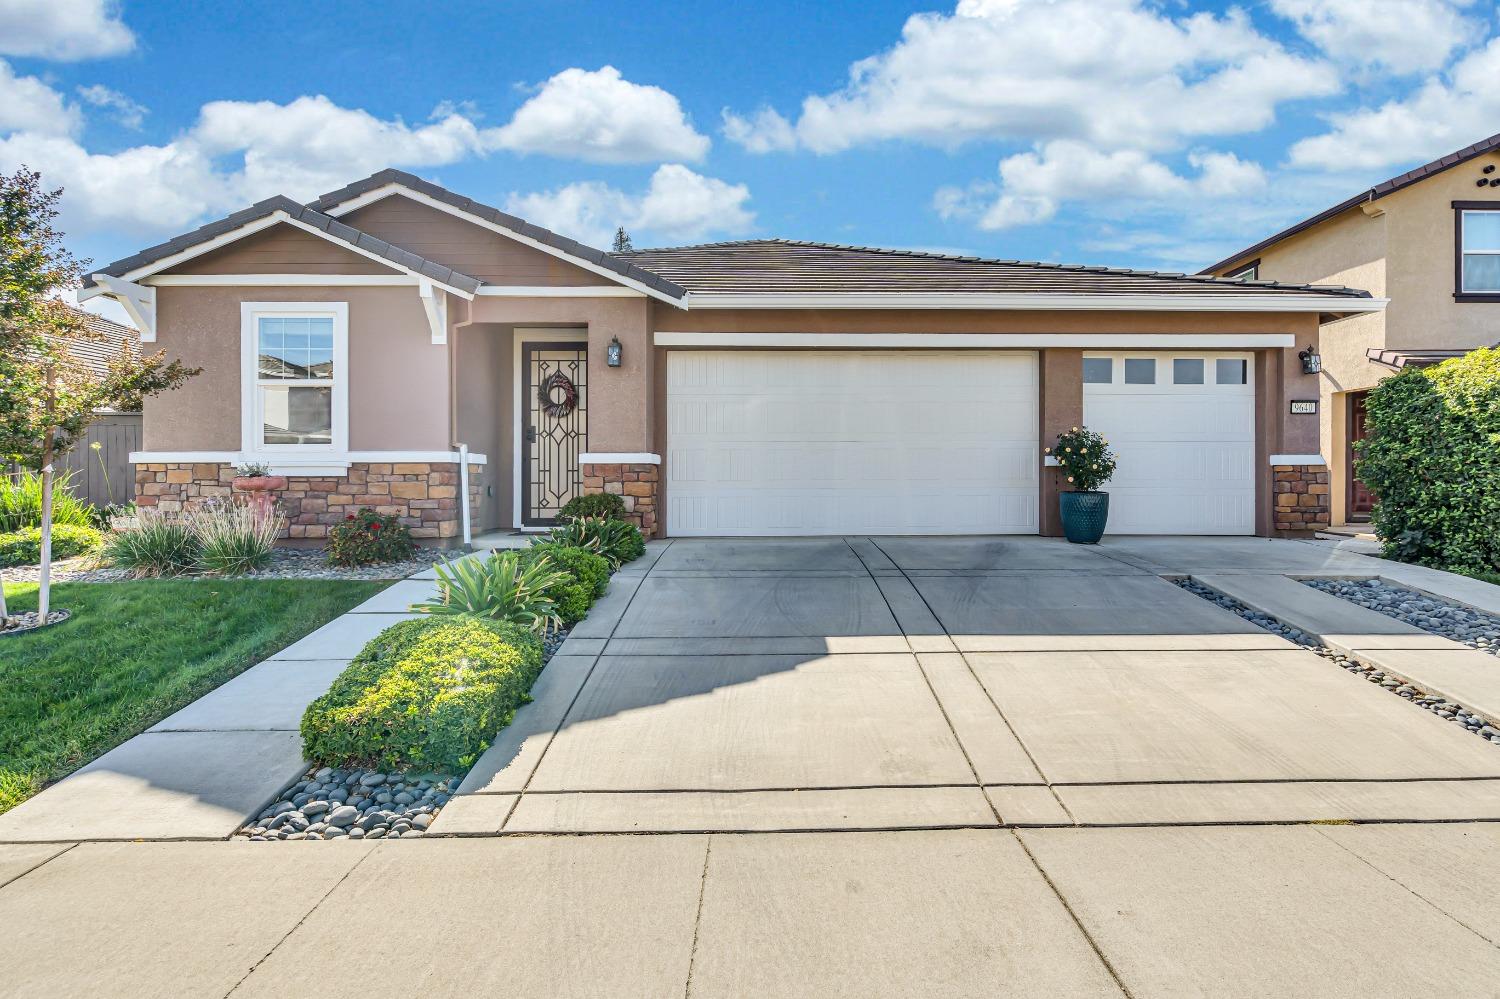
x,y
44,578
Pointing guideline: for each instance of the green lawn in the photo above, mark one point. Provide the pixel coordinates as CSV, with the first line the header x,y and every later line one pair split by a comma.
x,y
132,654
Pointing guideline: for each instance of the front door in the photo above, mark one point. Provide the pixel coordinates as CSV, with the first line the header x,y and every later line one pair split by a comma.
x,y
554,428
1361,500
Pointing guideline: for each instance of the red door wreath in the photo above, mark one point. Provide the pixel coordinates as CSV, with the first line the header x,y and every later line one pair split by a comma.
x,y
557,396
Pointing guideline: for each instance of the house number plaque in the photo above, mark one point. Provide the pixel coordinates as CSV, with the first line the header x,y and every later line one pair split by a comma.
x,y
1304,406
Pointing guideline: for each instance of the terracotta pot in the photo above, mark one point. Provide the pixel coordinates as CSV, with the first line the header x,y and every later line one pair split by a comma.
x,y
259,483
260,488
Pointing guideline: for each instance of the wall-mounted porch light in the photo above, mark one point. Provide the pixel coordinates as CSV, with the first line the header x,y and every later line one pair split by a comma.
x,y
1312,362
612,354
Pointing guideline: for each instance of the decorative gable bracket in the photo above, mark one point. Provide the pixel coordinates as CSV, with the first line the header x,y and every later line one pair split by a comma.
x,y
435,303
139,302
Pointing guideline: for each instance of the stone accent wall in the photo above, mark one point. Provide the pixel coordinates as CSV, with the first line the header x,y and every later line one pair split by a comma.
x,y
1301,497
637,484
424,495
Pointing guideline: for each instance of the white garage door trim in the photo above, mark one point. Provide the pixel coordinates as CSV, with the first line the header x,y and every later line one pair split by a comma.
x,y
766,443
1186,450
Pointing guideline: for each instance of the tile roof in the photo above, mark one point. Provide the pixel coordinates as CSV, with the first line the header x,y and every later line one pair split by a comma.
x,y
302,213
571,247
1375,193
783,266
110,340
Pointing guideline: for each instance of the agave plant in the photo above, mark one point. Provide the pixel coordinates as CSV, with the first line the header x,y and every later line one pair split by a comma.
x,y
617,540
500,587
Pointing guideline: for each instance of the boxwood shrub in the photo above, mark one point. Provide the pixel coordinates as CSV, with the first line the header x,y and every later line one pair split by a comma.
x,y
587,577
24,547
1432,459
606,505
426,694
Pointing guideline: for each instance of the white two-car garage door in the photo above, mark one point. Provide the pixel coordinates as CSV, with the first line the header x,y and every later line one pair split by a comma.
x,y
1183,426
766,442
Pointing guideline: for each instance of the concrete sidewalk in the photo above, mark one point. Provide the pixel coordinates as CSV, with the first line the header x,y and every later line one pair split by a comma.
x,y
1265,911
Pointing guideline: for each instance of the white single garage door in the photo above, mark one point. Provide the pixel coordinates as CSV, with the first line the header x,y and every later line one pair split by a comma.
x,y
851,442
1183,426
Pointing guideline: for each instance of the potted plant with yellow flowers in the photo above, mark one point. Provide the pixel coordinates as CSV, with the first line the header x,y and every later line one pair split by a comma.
x,y
1086,459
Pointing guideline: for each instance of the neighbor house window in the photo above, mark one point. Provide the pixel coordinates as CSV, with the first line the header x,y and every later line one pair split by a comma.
x,y
295,355
1250,272
1479,249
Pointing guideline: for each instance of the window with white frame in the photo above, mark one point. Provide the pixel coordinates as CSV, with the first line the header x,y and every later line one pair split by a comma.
x,y
295,377
1479,242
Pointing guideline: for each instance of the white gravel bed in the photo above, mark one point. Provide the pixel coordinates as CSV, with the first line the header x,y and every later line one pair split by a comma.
x,y
1443,708
1473,628
286,563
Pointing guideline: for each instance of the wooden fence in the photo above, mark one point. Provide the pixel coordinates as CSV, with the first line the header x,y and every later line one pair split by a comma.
x,y
104,476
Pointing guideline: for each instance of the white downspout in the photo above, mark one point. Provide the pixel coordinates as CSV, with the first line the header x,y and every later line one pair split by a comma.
x,y
463,491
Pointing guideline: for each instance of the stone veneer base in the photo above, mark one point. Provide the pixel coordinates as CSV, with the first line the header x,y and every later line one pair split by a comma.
x,y
1301,498
638,484
423,494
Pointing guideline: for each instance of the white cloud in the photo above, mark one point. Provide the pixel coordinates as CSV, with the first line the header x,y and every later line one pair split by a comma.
x,y
1034,185
678,205
236,153
764,131
1441,115
63,29
1116,73
1402,36
127,112
28,104
601,117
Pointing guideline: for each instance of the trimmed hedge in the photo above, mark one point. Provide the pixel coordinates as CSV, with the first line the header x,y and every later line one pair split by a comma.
x,y
24,547
1433,461
587,578
606,505
425,694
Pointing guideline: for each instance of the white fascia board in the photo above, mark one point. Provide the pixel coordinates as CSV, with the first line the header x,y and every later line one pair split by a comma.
x,y
369,197
1038,302
309,461
1018,341
279,280
558,291
619,458
1298,459
251,228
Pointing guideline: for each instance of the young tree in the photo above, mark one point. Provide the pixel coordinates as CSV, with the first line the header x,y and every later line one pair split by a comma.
x,y
48,397
622,241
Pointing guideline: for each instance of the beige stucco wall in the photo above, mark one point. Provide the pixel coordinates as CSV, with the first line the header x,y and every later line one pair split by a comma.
x,y
1402,248
483,372
468,248
398,379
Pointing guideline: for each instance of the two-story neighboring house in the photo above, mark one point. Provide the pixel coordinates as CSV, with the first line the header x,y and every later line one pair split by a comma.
x,y
1428,240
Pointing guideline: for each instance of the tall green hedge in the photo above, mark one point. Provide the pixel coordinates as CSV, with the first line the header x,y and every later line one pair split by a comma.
x,y
428,693
1432,459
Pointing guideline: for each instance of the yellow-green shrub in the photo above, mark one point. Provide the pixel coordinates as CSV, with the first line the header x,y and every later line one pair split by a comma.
x,y
427,693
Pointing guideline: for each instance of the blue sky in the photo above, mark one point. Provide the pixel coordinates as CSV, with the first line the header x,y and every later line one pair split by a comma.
x,y
1157,135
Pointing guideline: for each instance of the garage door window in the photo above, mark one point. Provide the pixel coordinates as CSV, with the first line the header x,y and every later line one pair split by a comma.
x,y
1140,371
1187,371
1098,370
1230,371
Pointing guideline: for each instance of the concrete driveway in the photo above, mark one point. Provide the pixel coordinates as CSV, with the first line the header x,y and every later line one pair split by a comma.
x,y
866,767
929,683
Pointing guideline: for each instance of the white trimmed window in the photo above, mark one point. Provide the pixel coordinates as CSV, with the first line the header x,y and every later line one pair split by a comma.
x,y
1479,242
295,378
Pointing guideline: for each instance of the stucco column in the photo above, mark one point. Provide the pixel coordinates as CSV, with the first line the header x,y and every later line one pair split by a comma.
x,y
1060,407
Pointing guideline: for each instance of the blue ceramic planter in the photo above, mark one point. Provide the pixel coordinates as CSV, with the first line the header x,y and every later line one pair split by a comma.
x,y
1084,516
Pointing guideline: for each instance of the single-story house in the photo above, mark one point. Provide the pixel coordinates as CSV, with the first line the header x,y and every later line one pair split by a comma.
x,y
397,345
1429,241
